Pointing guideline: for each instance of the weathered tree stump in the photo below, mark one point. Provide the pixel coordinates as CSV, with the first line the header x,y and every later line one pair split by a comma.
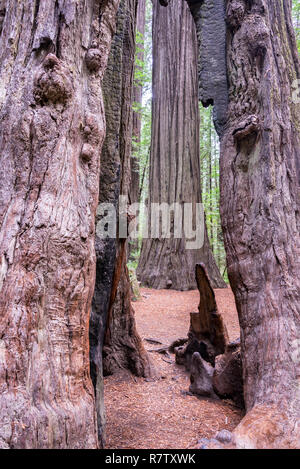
x,y
208,334
208,324
228,374
215,364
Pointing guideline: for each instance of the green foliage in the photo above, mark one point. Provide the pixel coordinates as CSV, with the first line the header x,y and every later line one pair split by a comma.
x,y
210,173
143,79
296,20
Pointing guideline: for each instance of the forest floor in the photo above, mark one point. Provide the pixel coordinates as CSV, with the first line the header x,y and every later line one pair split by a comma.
x,y
160,414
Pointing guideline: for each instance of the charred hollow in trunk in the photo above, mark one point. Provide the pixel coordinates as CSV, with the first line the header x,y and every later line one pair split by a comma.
x,y
115,343
259,210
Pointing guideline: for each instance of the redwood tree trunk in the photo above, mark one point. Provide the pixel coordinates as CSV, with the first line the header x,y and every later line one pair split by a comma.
x,y
174,160
53,55
123,348
260,202
106,249
260,176
112,320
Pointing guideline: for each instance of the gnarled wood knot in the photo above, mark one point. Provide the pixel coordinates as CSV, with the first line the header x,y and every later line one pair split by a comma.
x,y
53,84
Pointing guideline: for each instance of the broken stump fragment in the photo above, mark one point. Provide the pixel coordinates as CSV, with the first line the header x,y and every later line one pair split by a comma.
x,y
208,334
228,375
184,353
201,377
208,323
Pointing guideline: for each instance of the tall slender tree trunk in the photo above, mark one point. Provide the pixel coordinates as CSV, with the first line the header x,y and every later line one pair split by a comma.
x,y
53,55
112,325
174,159
260,203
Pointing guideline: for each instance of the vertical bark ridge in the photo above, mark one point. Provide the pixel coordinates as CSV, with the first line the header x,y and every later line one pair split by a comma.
x,y
52,129
260,215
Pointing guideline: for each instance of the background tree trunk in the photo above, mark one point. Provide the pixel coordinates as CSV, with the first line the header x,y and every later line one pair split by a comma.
x,y
174,160
112,319
260,215
53,55
260,203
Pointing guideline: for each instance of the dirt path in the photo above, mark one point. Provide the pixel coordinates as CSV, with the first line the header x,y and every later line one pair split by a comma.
x,y
159,414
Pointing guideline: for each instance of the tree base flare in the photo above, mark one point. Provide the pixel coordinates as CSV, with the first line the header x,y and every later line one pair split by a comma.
x,y
266,427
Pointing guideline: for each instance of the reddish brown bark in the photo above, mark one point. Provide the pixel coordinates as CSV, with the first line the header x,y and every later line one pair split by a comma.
x,y
53,55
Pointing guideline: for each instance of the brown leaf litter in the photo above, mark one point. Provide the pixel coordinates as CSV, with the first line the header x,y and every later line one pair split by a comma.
x,y
161,414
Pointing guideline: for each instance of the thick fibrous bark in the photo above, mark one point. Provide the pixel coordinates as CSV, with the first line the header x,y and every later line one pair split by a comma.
x,y
112,319
260,214
174,160
260,211
53,55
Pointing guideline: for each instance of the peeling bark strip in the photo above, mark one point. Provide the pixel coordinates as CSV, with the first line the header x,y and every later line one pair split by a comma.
x,y
174,159
52,129
260,153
